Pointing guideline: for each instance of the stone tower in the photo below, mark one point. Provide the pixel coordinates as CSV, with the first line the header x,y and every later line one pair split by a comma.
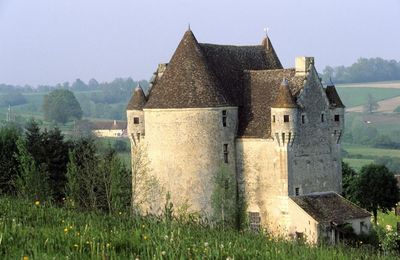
x,y
135,116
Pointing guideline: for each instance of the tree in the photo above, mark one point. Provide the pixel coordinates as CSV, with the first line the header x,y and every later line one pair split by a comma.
x,y
32,181
145,187
9,134
376,189
348,177
116,183
61,106
224,197
371,105
83,175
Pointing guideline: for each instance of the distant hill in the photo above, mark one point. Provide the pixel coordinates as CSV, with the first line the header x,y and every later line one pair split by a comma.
x,y
364,70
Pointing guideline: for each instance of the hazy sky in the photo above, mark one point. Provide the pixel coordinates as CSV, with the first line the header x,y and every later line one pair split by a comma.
x,y
51,41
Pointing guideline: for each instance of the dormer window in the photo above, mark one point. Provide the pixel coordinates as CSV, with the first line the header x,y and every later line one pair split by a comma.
x,y
286,118
136,120
337,118
224,118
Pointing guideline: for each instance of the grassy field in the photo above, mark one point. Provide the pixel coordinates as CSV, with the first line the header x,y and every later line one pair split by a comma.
x,y
357,164
356,96
41,232
370,151
388,219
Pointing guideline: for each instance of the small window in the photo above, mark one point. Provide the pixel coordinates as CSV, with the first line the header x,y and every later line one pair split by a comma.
x,y
297,191
254,221
224,118
226,153
303,119
283,138
273,119
136,120
138,137
337,118
322,118
286,118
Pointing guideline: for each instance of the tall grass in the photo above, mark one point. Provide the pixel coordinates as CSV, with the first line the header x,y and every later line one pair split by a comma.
x,y
44,232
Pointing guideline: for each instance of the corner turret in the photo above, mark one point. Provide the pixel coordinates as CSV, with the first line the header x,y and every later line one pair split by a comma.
x,y
284,116
135,116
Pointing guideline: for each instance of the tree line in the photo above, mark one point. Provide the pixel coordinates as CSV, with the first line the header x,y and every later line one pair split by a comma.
x,y
364,70
42,165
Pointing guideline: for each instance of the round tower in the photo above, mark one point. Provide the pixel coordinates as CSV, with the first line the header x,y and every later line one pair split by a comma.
x,y
284,116
135,116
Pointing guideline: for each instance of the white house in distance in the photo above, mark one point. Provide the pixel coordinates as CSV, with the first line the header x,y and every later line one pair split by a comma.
x,y
109,128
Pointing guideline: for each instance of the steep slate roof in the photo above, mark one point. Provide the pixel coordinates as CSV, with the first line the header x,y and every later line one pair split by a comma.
x,y
188,80
284,98
229,63
330,207
261,91
138,100
333,97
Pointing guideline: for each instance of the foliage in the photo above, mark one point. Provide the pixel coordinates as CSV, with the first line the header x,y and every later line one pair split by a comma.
x,y
146,190
371,105
348,177
50,152
61,106
116,181
12,98
364,70
9,134
97,181
120,146
376,189
32,182
224,197
41,232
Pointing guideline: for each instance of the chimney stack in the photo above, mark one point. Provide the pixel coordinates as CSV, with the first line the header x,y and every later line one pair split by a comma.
x,y
303,64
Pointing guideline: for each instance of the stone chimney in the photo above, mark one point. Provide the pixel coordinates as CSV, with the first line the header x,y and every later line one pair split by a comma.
x,y
303,64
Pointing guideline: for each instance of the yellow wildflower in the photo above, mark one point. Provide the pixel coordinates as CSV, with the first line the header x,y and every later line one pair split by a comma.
x,y
37,203
145,237
25,258
65,230
76,245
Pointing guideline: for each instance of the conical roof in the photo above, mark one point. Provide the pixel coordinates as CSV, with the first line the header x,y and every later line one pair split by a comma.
x,y
284,98
271,56
138,100
188,81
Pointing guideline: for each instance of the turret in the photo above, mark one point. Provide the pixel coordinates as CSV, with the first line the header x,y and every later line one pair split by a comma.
x,y
135,116
284,116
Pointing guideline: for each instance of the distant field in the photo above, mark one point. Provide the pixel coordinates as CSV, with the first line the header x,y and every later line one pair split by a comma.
x,y
385,106
381,84
357,96
369,151
357,164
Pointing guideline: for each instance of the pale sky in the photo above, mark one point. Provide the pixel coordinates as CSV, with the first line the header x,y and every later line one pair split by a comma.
x,y
52,41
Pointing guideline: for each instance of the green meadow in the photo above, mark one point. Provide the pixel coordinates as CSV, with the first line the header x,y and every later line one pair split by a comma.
x,y
30,230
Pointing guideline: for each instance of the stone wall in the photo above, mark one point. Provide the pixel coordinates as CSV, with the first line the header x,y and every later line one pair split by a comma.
x,y
186,149
315,159
262,170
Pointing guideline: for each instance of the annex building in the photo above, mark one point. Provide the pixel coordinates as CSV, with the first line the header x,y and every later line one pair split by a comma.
x,y
277,130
